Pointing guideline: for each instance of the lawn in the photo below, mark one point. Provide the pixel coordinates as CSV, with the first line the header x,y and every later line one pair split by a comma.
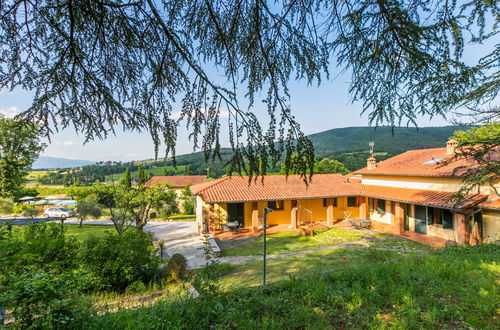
x,y
250,273
85,231
456,288
154,171
395,243
293,242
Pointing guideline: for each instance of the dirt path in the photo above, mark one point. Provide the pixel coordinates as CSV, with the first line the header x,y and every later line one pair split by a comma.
x,y
239,260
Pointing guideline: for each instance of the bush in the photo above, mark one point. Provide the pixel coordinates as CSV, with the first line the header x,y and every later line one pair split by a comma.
x,y
45,299
176,268
40,245
6,206
115,261
27,210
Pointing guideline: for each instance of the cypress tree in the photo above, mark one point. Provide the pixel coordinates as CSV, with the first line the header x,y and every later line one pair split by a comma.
x,y
128,180
141,176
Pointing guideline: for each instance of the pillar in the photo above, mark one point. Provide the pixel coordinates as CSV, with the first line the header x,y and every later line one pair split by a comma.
x,y
363,208
399,218
329,212
462,228
255,216
211,218
293,215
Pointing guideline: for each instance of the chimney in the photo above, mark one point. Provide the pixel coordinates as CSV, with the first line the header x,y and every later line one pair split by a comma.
x,y
451,145
371,163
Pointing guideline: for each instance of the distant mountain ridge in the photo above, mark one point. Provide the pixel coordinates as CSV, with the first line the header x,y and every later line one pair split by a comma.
x,y
51,163
348,144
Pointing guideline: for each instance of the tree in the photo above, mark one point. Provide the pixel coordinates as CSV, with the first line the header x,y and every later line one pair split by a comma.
x,y
188,200
20,145
6,205
327,165
88,207
134,206
141,176
128,179
187,170
165,171
136,58
479,152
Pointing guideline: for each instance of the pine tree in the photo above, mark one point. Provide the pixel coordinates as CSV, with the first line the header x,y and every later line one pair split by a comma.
x,y
165,171
128,180
187,170
141,176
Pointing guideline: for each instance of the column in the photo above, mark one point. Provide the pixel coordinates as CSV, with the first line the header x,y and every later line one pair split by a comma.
x,y
462,228
399,217
255,216
211,218
329,212
363,206
293,214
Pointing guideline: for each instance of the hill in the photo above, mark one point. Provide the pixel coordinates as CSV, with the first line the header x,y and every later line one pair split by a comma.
x,y
49,163
348,145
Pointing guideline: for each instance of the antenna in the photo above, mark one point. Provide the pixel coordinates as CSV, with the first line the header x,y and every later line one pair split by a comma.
x,y
371,144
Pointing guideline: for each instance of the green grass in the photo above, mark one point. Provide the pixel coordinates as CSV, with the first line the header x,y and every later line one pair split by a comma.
x,y
382,235
456,288
395,243
155,171
250,273
182,217
85,231
293,242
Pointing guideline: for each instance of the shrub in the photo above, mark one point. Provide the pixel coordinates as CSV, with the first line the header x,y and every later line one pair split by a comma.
x,y
115,261
27,210
176,268
40,245
6,206
45,299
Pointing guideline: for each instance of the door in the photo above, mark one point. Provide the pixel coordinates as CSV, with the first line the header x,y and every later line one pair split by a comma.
x,y
420,219
406,216
236,212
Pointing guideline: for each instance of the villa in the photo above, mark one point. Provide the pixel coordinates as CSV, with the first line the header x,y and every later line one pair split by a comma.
x,y
410,194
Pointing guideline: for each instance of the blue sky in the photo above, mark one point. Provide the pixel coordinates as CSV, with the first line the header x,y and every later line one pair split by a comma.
x,y
315,108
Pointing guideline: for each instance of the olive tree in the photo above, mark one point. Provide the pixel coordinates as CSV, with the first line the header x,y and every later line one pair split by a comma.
x,y
88,207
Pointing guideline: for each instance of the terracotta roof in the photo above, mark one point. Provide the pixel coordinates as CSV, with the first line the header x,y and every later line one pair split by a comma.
x,y
491,204
421,197
278,187
422,162
176,180
275,187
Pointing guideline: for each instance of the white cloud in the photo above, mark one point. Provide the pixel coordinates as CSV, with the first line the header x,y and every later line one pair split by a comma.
x,y
10,112
67,144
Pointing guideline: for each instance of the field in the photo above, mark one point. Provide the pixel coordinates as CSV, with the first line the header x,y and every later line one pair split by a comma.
x,y
154,171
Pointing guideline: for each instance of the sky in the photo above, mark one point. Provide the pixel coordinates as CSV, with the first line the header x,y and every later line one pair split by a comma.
x,y
316,108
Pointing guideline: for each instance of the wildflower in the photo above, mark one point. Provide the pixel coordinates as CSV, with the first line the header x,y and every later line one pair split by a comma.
x,y
416,265
344,258
397,275
350,259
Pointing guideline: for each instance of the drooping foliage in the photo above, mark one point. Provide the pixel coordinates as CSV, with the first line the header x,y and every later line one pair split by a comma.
x,y
103,65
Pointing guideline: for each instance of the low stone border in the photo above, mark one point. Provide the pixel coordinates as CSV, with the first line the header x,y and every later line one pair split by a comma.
x,y
216,250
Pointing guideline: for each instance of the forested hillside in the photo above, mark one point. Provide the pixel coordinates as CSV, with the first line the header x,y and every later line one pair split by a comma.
x,y
348,145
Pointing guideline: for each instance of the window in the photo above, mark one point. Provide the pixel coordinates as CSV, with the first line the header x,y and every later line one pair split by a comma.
x,y
352,201
431,215
447,219
325,202
381,206
275,205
